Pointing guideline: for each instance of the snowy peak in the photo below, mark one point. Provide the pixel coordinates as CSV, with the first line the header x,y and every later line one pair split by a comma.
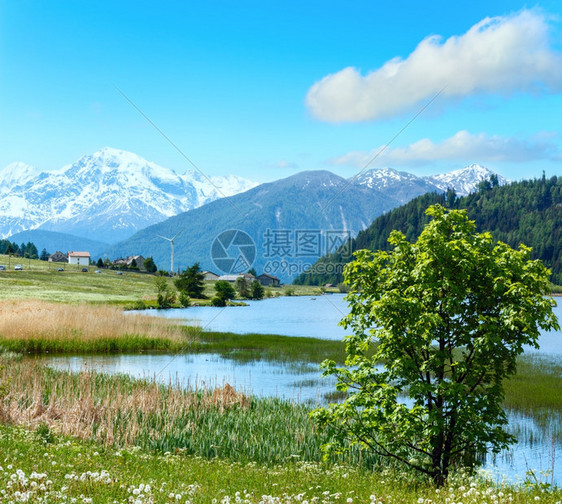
x,y
380,178
16,174
107,195
465,180
405,186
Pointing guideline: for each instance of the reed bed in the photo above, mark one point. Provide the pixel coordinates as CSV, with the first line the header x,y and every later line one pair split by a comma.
x,y
537,385
34,326
120,411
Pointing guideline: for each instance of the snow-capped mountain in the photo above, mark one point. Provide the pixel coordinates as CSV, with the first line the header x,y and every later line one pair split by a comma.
x,y
404,186
465,180
111,194
16,173
108,195
400,185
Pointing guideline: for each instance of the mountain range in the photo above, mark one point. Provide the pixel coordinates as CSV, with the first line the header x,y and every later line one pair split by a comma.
x,y
289,223
106,196
118,198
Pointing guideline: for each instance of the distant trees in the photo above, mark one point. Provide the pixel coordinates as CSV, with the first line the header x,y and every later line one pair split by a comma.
x,y
44,255
224,293
27,250
191,282
165,296
528,212
242,287
149,265
99,264
257,290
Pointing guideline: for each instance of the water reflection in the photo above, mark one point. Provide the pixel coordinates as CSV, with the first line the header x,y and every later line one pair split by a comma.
x,y
296,381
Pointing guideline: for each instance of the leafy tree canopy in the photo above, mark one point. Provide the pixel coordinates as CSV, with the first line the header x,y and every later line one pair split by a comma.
x,y
242,287
449,315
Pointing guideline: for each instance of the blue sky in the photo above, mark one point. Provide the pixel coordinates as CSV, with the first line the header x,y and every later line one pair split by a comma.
x,y
264,90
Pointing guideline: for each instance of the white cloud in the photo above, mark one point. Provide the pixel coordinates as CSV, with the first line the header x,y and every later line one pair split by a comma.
x,y
497,55
463,146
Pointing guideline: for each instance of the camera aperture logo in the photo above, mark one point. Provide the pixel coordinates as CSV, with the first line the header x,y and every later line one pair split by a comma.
x,y
233,251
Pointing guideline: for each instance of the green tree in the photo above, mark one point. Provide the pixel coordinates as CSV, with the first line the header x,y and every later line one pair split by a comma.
x,y
99,264
191,282
165,296
252,271
224,291
257,290
44,255
241,286
449,315
149,265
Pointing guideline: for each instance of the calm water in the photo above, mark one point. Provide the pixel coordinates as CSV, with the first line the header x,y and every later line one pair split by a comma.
x,y
312,317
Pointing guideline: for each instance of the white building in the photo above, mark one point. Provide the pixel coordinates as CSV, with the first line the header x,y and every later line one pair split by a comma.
x,y
80,258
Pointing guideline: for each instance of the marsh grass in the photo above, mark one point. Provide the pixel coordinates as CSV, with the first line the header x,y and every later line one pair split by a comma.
x,y
537,384
536,392
120,411
40,326
248,347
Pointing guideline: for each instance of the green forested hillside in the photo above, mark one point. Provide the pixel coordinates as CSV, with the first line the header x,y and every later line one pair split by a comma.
x,y
528,212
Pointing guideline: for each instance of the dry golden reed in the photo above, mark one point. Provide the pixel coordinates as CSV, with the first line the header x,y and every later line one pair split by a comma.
x,y
92,405
34,319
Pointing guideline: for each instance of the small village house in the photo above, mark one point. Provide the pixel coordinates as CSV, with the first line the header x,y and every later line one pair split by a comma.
x,y
79,258
58,257
269,280
128,261
209,275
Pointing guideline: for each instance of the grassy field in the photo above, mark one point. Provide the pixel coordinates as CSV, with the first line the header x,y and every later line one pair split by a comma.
x,y
41,280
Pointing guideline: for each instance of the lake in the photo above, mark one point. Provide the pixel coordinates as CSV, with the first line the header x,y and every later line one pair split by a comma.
x,y
311,317
308,316
304,316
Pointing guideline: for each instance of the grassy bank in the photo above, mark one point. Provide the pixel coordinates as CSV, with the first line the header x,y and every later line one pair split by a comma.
x,y
41,327
40,467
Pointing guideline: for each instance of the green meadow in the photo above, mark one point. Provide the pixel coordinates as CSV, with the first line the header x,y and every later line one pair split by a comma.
x,y
41,280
